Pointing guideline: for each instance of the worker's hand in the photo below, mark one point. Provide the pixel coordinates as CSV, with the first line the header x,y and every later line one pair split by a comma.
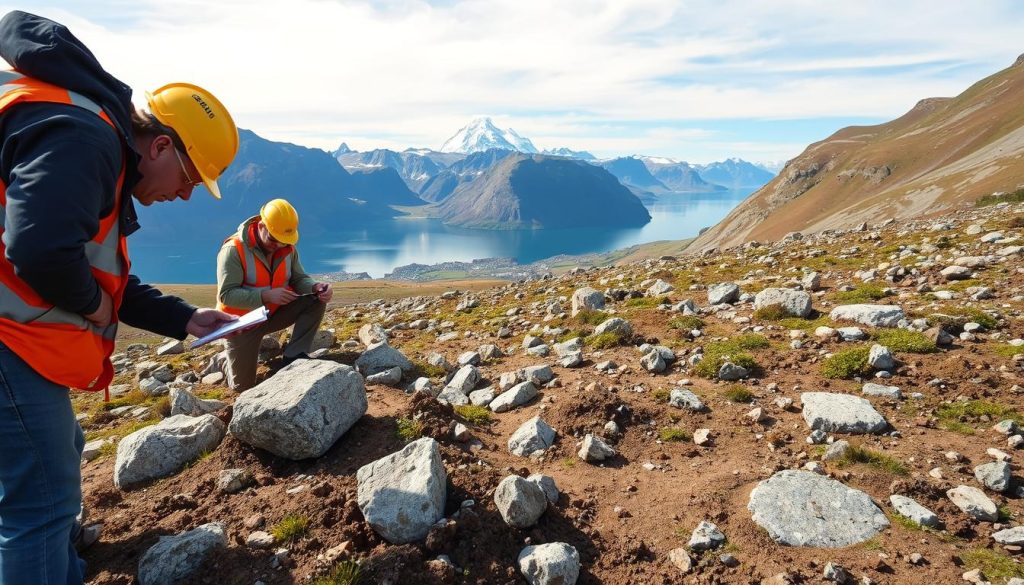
x,y
323,291
278,296
206,321
103,314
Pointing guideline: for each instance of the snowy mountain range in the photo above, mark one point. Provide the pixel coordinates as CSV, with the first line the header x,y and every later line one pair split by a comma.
x,y
482,134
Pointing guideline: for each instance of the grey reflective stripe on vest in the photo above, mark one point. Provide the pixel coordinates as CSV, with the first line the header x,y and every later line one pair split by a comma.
x,y
249,276
105,255
250,266
84,102
15,309
9,76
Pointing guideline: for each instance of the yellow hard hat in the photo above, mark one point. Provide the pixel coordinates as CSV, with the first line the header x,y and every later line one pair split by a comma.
x,y
203,124
282,221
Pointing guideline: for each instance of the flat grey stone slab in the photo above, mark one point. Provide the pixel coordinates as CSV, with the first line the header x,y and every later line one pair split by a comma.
x,y
801,508
841,413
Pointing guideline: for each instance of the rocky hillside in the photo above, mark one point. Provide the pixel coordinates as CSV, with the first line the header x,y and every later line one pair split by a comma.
x,y
941,154
524,191
841,407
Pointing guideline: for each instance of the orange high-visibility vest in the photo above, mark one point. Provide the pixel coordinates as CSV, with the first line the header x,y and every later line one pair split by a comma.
x,y
256,274
62,346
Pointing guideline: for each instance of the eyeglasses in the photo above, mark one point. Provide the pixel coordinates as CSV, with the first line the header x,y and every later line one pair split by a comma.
x,y
188,177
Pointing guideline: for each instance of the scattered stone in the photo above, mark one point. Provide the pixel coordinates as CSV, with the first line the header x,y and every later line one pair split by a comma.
x,y
519,501
872,389
836,451
683,398
171,348
587,299
880,358
594,449
516,396
909,508
706,536
660,287
402,495
302,410
174,559
974,503
730,372
372,334
390,377
532,435
870,315
837,574
184,402
796,303
234,480
800,508
995,476
164,448
379,357
841,413
726,292
702,437
681,560
555,563
547,485
614,325
259,539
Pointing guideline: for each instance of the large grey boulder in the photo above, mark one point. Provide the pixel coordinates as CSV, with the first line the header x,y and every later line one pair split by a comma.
x,y
880,358
614,325
302,410
532,435
587,299
660,287
184,402
174,559
841,413
1012,536
871,315
380,357
570,347
516,396
974,503
465,379
520,501
538,375
164,448
555,563
726,292
593,449
794,302
908,508
402,495
801,508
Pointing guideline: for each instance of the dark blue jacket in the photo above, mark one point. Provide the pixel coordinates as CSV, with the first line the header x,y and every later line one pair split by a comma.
x,y
60,164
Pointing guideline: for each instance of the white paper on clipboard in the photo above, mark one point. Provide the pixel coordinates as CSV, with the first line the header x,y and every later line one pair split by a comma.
x,y
253,317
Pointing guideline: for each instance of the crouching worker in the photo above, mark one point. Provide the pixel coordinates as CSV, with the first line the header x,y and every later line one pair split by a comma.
x,y
259,266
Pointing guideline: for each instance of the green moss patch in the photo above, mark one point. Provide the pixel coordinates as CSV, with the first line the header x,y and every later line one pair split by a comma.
x,y
847,364
905,340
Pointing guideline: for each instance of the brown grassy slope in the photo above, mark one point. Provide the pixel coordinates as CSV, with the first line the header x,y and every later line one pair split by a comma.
x,y
943,153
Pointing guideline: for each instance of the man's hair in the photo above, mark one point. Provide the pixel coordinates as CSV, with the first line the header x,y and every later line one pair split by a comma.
x,y
146,124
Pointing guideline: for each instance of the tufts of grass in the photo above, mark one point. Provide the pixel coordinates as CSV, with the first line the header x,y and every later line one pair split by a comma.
x,y
738,393
771,313
569,462
973,409
805,324
122,430
215,394
907,523
978,316
905,340
954,318
344,573
996,565
290,528
864,293
662,394
993,199
408,429
1009,350
162,406
132,398
847,364
673,434
108,449
733,350
474,415
687,323
425,370
874,459
605,340
645,302
203,456
591,317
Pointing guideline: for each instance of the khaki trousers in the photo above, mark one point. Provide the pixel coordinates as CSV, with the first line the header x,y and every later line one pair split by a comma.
x,y
244,348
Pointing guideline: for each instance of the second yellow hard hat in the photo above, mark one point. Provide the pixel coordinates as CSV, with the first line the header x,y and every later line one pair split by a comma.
x,y
203,124
282,221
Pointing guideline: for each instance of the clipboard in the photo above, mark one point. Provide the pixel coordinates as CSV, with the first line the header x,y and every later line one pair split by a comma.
x,y
253,317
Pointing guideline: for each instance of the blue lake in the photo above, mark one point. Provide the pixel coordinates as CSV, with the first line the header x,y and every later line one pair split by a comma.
x,y
377,248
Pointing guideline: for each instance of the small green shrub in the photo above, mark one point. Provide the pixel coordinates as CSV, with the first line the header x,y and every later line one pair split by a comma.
x,y
905,340
644,302
1009,350
474,415
662,395
687,323
847,364
771,313
955,415
408,429
425,370
291,527
591,317
738,393
709,366
875,459
992,198
605,340
864,293
673,434
344,573
162,406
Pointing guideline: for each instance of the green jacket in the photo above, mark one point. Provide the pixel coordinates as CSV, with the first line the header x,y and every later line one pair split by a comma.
x,y
230,290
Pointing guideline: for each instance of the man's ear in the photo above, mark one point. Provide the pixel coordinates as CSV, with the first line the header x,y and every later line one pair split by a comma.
x,y
159,144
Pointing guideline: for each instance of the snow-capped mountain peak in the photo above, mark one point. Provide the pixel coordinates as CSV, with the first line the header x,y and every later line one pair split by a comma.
x,y
482,134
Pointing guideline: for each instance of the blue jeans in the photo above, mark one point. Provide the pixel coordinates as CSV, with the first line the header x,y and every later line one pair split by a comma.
x,y
40,478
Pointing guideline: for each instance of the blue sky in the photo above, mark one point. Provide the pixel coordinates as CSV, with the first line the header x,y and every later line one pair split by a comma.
x,y
691,80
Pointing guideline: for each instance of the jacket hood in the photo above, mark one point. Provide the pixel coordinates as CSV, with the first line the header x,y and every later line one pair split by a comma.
x,y
243,230
46,50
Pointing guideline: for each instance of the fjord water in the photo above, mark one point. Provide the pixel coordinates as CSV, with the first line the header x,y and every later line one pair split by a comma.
x,y
378,247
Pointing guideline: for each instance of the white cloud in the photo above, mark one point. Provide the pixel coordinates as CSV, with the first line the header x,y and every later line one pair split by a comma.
x,y
600,76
